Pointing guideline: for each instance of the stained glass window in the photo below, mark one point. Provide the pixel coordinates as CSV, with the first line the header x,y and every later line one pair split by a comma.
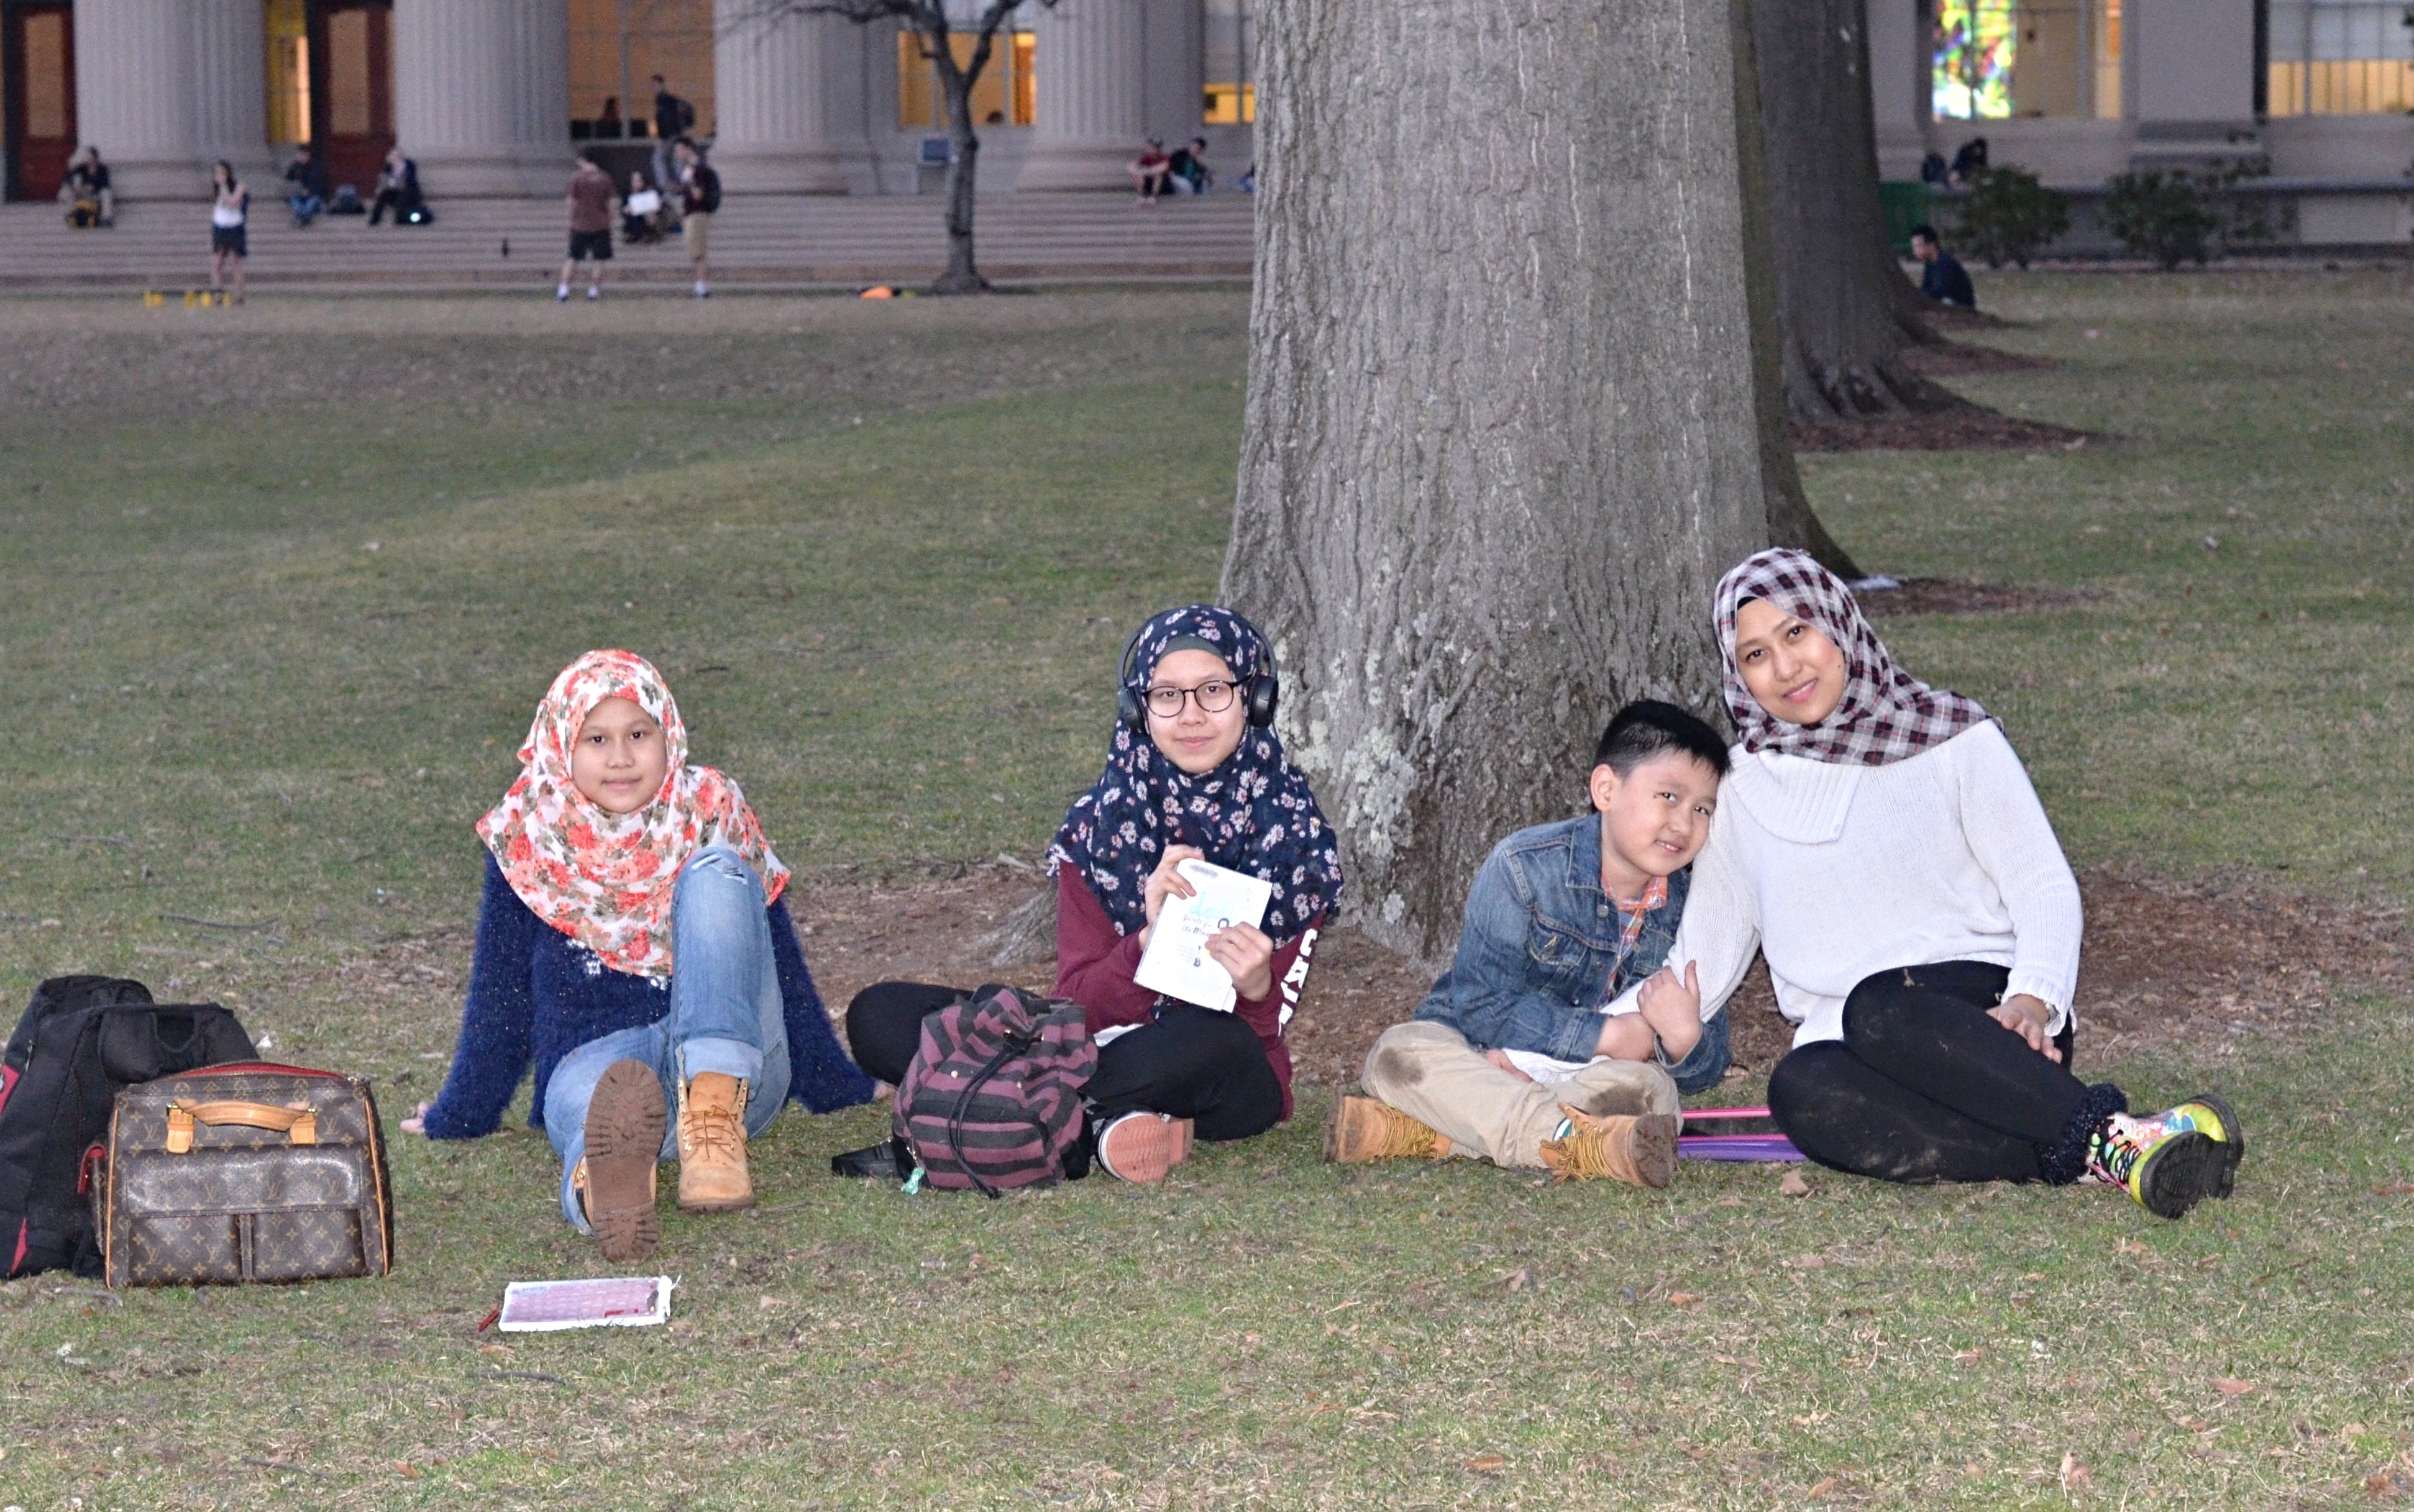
x,y
1977,42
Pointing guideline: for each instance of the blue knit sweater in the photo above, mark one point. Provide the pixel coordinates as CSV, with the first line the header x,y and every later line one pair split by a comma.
x,y
537,995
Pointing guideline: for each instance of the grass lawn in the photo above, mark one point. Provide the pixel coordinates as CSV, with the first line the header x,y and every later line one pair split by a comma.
x,y
286,584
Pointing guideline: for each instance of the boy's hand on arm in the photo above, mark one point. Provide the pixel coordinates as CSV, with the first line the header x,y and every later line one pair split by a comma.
x,y
1672,1007
1625,1037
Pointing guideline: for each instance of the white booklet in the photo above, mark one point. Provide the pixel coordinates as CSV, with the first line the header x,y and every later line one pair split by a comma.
x,y
605,1302
1176,962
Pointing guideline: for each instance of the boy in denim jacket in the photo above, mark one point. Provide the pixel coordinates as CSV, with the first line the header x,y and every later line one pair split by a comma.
x,y
1512,1055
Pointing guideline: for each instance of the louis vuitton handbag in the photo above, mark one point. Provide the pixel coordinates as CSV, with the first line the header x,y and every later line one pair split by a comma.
x,y
243,1173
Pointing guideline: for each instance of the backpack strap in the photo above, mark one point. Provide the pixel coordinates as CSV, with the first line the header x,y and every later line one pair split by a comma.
x,y
1015,1044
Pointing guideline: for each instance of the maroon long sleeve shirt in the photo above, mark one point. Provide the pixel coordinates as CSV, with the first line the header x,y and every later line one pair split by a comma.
x,y
1094,962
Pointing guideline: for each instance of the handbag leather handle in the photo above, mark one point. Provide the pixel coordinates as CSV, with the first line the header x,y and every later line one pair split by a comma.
x,y
299,1125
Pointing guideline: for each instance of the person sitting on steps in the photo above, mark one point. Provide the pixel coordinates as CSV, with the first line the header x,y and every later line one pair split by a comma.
x,y
1194,770
635,944
1880,843
1514,1055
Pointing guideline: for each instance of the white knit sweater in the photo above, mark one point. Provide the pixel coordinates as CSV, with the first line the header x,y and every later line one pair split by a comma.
x,y
1839,872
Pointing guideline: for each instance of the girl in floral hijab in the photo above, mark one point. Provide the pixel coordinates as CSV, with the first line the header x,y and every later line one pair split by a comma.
x,y
635,945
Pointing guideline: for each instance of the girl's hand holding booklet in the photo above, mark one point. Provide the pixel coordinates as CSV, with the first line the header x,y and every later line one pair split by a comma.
x,y
1176,962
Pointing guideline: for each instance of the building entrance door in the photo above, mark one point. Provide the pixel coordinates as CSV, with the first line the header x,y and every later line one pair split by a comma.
x,y
351,88
38,54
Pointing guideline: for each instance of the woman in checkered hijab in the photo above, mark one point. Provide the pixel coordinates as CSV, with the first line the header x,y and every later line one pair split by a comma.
x,y
1878,840
1885,714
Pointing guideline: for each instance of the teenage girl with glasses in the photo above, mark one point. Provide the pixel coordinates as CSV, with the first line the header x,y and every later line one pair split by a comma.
x,y
1194,770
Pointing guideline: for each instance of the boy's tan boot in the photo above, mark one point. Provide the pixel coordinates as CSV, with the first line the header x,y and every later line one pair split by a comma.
x,y
712,1145
1638,1149
614,1180
1361,1129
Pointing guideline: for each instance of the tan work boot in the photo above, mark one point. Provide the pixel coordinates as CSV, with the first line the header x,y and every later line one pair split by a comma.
x,y
1361,1129
1638,1149
614,1180
712,1145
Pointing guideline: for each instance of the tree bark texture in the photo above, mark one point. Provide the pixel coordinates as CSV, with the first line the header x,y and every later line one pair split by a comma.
x,y
1845,312
1502,433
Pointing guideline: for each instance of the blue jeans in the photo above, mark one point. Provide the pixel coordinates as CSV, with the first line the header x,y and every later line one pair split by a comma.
x,y
304,206
727,1014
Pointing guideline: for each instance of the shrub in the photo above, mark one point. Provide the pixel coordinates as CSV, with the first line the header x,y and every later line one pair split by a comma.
x,y
2008,215
2161,215
2171,215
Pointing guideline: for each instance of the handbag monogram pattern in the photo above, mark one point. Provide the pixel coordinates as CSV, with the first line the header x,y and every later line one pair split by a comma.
x,y
250,1173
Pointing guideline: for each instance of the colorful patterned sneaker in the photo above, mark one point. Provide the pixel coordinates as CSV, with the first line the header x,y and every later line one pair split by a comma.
x,y
1640,1150
2163,1161
2213,1117
1362,1129
1142,1147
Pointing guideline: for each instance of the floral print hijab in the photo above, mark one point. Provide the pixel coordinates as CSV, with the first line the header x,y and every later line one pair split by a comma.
x,y
607,880
1252,814
1885,714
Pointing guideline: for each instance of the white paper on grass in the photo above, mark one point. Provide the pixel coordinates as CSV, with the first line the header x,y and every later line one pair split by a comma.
x,y
1176,962
605,1302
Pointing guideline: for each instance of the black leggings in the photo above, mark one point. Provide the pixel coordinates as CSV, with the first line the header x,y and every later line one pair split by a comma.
x,y
1191,1063
1925,1086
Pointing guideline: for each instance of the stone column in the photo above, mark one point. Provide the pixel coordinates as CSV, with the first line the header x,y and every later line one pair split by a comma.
x,y
788,100
230,92
456,106
1091,69
1899,86
541,101
134,94
2191,74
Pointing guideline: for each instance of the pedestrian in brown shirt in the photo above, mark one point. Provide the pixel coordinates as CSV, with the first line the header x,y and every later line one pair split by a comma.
x,y
592,201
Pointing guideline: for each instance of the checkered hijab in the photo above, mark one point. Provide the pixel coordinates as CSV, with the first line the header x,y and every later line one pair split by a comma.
x,y
1885,714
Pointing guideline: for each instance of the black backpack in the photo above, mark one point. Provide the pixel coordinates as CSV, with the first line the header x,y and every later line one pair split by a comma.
x,y
82,1039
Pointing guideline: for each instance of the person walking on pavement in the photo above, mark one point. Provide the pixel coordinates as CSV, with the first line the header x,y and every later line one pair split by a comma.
x,y
699,198
591,201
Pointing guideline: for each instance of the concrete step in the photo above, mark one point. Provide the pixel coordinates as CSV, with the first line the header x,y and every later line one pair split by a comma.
x,y
759,238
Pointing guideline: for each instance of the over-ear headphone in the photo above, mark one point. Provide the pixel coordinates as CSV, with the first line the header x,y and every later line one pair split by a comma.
x,y
1131,707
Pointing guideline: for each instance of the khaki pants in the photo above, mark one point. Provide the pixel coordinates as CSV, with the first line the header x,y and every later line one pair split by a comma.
x,y
1430,1073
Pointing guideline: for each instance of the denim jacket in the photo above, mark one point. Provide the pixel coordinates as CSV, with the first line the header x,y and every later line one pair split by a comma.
x,y
1540,953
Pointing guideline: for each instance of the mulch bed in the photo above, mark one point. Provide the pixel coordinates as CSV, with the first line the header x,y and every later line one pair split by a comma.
x,y
1950,595
1953,359
1963,428
2168,967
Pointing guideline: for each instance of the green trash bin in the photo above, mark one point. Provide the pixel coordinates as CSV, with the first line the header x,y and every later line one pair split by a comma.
x,y
1904,205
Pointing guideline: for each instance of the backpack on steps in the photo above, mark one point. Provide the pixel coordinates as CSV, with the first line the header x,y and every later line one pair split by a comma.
x,y
994,1097
82,1038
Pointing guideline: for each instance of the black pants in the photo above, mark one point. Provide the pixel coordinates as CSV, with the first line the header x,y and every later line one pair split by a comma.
x,y
1192,1064
1925,1086
395,201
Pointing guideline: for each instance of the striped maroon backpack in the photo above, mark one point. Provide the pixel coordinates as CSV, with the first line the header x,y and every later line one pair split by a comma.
x,y
994,1097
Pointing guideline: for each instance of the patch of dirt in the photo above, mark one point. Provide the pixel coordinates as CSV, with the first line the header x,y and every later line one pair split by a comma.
x,y
1949,596
1953,359
1970,428
2167,966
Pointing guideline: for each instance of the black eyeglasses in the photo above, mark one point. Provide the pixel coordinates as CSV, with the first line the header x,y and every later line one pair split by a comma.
x,y
1214,696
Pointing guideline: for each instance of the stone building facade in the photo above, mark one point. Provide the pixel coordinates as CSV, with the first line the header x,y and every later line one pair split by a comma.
x,y
492,97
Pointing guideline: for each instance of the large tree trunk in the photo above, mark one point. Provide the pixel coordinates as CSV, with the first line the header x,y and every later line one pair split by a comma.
x,y
1845,310
1503,434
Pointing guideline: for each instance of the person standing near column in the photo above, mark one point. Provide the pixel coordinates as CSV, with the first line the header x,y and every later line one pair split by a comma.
x,y
591,201
699,198
229,207
672,118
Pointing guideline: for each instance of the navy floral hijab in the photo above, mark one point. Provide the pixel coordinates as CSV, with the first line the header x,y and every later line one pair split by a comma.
x,y
1253,813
